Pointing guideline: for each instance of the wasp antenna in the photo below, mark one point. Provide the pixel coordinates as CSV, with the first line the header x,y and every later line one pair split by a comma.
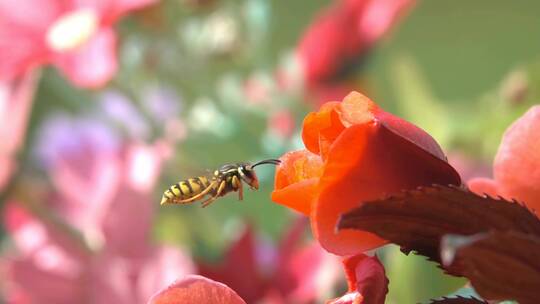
x,y
267,161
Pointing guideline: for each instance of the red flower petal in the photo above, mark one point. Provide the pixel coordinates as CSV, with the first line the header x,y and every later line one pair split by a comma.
x,y
344,33
322,128
196,289
296,180
366,275
517,164
379,16
94,64
361,167
334,26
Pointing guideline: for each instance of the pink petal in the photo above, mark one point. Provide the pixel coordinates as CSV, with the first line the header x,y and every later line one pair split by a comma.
x,y
22,32
379,16
161,269
483,186
366,275
117,279
127,223
24,15
144,164
303,273
349,298
113,279
331,92
94,64
282,123
195,289
345,32
84,161
468,167
86,198
16,98
314,273
328,42
28,234
517,164
7,167
42,240
51,265
43,286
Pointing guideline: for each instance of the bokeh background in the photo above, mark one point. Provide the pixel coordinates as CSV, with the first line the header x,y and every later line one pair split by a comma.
x,y
200,83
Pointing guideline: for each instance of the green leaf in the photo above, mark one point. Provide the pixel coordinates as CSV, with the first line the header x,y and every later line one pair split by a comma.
x,y
417,103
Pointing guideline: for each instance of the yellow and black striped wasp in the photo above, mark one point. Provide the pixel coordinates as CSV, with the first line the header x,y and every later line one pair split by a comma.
x,y
228,178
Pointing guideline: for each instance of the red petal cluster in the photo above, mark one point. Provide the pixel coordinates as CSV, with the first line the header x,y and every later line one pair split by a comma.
x,y
355,152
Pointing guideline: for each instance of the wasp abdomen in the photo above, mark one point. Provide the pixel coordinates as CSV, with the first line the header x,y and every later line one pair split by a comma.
x,y
185,189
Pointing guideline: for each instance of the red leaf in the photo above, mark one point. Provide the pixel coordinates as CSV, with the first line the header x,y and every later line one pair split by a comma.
x,y
416,220
458,300
500,265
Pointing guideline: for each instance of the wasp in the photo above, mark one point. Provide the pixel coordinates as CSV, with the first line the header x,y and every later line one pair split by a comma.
x,y
228,178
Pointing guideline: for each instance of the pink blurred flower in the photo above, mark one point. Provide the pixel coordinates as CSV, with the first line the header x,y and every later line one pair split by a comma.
x,y
196,289
516,168
468,167
288,274
102,189
332,92
161,107
50,267
99,179
367,285
343,33
257,90
281,123
15,104
75,36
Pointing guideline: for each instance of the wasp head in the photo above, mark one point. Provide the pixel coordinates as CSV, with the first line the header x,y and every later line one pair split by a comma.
x,y
247,172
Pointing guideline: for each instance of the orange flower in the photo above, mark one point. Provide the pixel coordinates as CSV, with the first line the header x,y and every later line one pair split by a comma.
x,y
355,152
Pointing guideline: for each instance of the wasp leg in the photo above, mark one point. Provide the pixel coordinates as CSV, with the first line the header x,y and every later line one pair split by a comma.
x,y
213,198
196,197
238,184
209,201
